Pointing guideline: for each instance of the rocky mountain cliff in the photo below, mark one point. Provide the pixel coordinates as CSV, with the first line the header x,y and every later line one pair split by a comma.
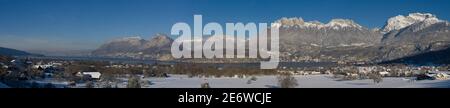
x,y
316,41
345,40
339,40
427,33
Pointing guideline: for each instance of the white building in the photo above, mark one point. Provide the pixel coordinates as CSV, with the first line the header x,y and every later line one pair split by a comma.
x,y
315,73
95,75
384,73
366,69
42,66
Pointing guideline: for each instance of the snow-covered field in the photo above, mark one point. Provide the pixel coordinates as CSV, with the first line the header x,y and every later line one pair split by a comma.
x,y
310,81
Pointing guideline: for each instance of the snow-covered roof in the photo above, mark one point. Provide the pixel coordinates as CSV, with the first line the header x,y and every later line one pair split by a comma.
x,y
92,74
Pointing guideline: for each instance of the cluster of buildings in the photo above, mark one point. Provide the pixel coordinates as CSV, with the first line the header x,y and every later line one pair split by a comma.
x,y
434,72
125,66
41,65
289,57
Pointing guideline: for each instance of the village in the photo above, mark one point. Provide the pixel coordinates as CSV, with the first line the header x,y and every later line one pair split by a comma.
x,y
363,72
28,73
37,73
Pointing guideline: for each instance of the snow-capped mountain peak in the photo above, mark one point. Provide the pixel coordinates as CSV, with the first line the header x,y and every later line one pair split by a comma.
x,y
291,21
341,23
128,38
299,22
400,21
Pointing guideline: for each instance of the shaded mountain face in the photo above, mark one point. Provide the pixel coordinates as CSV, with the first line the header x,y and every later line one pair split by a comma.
x,y
315,41
427,58
14,52
135,47
345,40
340,40
129,44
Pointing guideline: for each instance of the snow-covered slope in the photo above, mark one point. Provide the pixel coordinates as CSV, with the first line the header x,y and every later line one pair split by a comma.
x,y
308,81
400,21
299,22
338,39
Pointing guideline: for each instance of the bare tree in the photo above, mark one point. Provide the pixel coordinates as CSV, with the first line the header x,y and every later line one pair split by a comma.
x,y
253,78
134,82
377,78
286,80
205,84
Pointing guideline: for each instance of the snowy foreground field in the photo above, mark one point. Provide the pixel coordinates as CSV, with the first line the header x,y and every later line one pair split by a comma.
x,y
310,81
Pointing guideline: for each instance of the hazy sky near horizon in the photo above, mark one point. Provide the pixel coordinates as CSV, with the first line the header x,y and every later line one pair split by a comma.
x,y
86,24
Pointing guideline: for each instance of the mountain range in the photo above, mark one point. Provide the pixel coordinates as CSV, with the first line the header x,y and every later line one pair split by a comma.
x,y
135,47
338,40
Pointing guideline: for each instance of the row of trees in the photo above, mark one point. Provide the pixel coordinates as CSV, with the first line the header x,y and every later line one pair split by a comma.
x,y
219,71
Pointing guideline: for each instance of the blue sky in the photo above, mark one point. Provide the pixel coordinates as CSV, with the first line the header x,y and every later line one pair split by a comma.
x,y
86,24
